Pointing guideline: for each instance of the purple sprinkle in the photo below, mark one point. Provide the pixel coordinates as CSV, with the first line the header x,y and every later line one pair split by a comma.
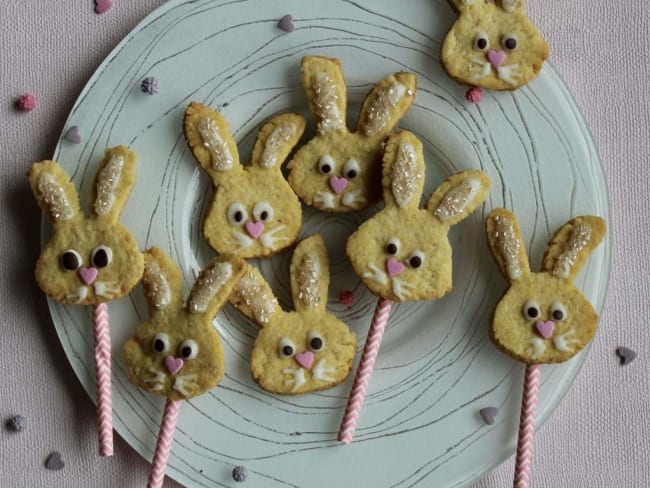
x,y
626,354
239,473
16,423
489,414
149,85
54,462
286,23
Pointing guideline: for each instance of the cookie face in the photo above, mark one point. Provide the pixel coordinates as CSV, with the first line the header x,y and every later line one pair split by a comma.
x,y
493,45
89,259
254,212
543,317
339,170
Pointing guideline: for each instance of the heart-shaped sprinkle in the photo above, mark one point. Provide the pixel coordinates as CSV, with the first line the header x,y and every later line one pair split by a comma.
x,y
239,473
173,364
73,135
496,58
255,229
338,184
54,462
16,423
286,23
304,359
545,329
394,267
474,94
102,6
626,354
489,414
346,297
88,275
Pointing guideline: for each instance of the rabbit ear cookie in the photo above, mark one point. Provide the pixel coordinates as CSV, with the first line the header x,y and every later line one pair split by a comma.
x,y
254,212
493,45
89,259
543,317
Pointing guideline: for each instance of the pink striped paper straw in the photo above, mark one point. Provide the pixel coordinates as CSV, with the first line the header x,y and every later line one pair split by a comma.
x,y
164,444
364,372
524,461
103,372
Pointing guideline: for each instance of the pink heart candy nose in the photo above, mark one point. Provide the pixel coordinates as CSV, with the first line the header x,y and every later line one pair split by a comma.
x,y
88,275
255,229
304,359
496,58
173,364
338,184
394,267
545,329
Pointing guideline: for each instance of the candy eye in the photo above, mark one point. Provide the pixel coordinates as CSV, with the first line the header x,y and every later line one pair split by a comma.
x,y
509,41
237,214
316,341
326,164
188,349
416,259
392,246
101,256
351,169
481,42
558,311
160,342
531,310
263,211
286,348
70,260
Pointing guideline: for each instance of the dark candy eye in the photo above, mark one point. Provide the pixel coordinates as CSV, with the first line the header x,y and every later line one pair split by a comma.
x,y
509,41
481,42
531,310
263,211
326,164
316,342
160,342
70,260
558,311
188,349
392,246
351,169
286,348
237,214
101,256
416,260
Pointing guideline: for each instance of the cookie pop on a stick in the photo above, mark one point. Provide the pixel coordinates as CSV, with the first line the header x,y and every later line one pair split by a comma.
x,y
177,352
90,260
542,318
403,252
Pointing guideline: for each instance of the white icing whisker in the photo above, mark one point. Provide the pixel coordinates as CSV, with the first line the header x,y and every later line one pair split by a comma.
x,y
297,378
185,384
325,199
376,274
322,372
269,239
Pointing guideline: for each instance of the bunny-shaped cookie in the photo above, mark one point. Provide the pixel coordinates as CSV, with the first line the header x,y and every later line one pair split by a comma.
x,y
339,170
543,317
177,352
94,259
301,351
403,253
254,213
493,45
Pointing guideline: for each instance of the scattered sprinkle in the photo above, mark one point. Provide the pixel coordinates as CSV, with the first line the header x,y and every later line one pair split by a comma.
x,y
474,94
346,297
286,23
626,354
26,102
54,462
73,135
16,423
149,85
489,414
102,6
239,473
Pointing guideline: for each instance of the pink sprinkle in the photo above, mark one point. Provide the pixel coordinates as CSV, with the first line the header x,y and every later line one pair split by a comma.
x,y
26,102
346,297
474,94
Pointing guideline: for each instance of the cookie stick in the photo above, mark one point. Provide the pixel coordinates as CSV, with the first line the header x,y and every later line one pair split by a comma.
x,y
553,321
397,264
90,260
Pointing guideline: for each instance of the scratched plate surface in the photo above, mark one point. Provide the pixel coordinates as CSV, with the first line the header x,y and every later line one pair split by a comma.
x,y
436,369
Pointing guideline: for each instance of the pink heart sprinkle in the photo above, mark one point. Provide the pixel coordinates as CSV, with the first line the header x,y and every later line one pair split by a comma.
x,y
496,58
338,184
304,359
173,364
545,329
255,229
88,275
102,6
394,267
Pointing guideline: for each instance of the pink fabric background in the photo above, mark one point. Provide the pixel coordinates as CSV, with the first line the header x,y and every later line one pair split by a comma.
x,y
600,434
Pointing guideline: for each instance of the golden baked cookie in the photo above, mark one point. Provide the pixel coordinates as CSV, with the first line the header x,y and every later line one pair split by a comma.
x,y
543,317
254,212
403,253
339,170
305,350
493,45
177,352
89,259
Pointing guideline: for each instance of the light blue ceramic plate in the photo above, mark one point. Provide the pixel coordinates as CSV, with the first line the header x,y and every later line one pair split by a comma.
x,y
437,368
